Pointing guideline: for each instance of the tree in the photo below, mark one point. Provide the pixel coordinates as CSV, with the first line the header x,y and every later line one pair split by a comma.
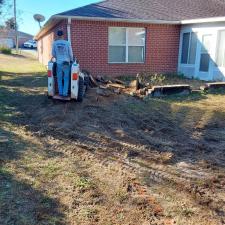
x,y
1,4
10,23
4,6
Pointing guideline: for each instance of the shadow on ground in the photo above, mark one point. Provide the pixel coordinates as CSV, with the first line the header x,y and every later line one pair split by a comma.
x,y
20,202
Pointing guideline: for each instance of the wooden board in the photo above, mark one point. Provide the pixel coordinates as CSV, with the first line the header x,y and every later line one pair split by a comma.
x,y
216,85
181,89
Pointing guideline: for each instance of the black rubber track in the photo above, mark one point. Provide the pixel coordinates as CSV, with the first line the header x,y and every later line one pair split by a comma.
x,y
80,90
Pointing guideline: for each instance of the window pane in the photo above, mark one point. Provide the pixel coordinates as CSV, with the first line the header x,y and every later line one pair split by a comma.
x,y
206,43
193,46
136,54
117,54
185,47
221,49
136,36
204,62
117,36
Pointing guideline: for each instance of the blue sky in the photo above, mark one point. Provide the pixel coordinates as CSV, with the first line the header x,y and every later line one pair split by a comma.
x,y
27,9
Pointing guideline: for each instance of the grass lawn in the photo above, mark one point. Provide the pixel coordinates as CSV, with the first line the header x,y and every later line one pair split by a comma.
x,y
20,64
108,161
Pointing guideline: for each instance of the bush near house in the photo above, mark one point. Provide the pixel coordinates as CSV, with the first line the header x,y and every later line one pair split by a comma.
x,y
5,50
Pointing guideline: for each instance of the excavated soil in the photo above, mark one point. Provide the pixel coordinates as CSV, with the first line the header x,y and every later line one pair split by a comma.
x,y
149,151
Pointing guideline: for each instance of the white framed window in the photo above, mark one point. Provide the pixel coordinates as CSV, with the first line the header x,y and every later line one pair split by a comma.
x,y
220,59
126,45
189,46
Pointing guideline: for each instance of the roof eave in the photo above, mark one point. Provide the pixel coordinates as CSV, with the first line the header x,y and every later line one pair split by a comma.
x,y
52,21
60,17
204,20
57,18
118,19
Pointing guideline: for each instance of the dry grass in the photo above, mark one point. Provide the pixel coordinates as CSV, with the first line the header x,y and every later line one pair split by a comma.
x,y
114,161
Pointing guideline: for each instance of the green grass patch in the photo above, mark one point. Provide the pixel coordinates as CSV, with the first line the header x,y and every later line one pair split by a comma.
x,y
5,50
20,64
83,183
51,170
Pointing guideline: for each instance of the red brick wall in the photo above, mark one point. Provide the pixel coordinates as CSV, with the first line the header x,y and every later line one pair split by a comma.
x,y
90,46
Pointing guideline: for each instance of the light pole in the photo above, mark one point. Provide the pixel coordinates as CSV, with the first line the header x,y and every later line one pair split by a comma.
x,y
15,26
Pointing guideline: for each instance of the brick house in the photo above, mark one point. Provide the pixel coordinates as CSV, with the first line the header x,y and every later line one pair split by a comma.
x,y
125,37
8,38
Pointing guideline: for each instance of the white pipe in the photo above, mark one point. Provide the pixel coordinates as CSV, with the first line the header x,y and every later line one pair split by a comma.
x,y
69,30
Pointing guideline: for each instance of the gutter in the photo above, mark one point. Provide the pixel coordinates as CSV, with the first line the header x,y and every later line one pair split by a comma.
x,y
204,20
49,25
118,19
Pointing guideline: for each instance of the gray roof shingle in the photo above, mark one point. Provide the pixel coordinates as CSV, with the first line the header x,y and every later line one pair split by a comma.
x,y
170,10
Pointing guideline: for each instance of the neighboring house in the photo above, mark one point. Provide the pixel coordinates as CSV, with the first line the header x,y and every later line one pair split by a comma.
x,y
8,38
125,37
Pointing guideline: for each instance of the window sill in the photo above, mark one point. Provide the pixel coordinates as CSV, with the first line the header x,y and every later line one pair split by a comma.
x,y
112,63
187,65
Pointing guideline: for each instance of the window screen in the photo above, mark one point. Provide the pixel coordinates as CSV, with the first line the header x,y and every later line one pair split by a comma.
x,y
136,54
189,46
221,49
185,48
193,46
126,45
117,36
204,62
117,54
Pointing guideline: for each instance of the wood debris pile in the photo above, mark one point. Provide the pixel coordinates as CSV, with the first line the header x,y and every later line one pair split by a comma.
x,y
109,86
136,87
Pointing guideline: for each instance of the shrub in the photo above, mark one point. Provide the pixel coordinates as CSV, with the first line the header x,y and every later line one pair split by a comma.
x,y
151,79
5,50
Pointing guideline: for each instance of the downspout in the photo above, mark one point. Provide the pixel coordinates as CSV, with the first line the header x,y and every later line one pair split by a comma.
x,y
69,30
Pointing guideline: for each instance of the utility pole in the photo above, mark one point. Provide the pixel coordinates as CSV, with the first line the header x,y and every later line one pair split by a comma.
x,y
16,28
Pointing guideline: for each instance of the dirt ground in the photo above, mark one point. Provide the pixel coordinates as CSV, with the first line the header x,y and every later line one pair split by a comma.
x,y
114,160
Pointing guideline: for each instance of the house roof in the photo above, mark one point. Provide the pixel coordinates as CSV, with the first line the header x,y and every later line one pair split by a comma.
x,y
169,10
145,11
9,33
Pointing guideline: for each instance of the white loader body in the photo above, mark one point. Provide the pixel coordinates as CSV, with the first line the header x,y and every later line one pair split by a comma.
x,y
51,80
75,70
76,79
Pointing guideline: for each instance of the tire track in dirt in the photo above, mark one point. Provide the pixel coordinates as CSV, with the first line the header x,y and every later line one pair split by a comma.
x,y
157,173
121,193
147,148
